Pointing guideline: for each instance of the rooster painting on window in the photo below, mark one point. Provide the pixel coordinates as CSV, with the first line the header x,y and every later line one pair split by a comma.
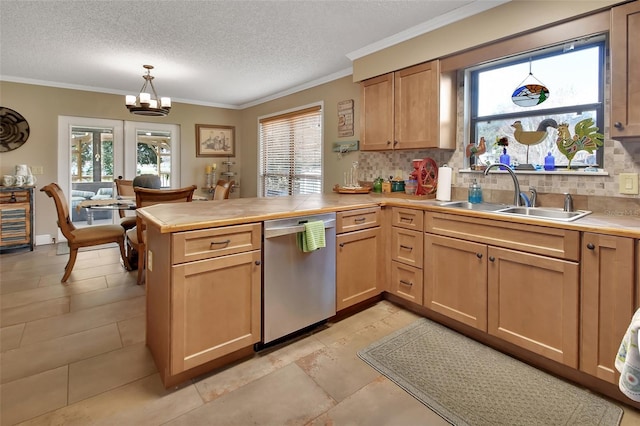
x,y
532,137
585,138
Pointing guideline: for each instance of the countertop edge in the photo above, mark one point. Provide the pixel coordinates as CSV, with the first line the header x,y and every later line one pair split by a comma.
x,y
177,217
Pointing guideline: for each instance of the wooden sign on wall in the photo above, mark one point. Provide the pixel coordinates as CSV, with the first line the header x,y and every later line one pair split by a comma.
x,y
345,118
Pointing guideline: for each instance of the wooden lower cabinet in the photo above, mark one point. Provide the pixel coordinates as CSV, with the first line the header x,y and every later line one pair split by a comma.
x,y
533,302
358,267
406,282
202,313
607,304
215,309
455,279
517,282
16,218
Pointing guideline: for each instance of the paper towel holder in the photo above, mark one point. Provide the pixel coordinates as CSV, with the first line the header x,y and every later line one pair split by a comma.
x,y
443,191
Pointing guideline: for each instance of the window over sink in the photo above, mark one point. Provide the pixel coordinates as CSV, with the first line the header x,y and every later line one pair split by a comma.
x,y
572,71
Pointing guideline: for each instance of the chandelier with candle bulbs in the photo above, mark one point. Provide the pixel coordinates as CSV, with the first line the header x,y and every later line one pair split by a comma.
x,y
148,103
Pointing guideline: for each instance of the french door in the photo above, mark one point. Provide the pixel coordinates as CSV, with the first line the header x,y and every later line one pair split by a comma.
x,y
92,152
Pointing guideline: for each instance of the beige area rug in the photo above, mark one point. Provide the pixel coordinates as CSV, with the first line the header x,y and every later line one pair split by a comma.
x,y
468,383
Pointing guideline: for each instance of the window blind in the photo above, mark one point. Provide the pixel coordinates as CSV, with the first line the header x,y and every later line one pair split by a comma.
x,y
291,153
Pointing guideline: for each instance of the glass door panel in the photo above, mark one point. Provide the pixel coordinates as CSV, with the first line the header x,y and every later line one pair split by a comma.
x,y
154,155
156,149
91,172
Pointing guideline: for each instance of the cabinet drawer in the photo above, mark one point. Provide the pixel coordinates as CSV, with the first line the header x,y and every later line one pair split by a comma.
x,y
406,282
407,218
555,242
407,246
207,243
354,220
17,196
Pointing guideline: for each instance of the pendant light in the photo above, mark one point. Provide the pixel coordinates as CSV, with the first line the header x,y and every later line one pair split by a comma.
x,y
148,103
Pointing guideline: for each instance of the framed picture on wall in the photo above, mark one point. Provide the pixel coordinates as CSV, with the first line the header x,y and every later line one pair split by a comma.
x,y
215,141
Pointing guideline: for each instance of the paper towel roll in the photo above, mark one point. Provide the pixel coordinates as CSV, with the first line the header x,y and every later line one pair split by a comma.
x,y
443,193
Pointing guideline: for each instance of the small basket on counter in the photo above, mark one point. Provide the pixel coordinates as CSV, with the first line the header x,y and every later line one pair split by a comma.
x,y
351,190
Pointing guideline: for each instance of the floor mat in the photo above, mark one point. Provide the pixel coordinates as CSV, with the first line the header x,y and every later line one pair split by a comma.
x,y
468,383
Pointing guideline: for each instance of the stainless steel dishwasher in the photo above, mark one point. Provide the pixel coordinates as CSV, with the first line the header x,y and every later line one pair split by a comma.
x,y
299,289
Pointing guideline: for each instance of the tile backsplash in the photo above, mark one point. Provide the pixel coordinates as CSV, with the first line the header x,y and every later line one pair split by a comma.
x,y
619,158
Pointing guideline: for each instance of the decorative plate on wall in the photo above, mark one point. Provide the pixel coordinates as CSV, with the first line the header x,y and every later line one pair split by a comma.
x,y
14,130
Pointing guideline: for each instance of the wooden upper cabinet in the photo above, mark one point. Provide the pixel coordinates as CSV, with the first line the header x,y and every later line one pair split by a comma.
x,y
409,109
416,106
376,124
625,70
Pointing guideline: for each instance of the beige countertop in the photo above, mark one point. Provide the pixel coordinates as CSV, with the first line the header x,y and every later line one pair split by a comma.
x,y
174,217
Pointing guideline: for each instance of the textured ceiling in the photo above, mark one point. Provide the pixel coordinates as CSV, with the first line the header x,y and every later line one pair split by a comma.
x,y
220,53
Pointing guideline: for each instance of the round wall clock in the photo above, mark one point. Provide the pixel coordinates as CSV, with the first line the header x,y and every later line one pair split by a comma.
x,y
14,130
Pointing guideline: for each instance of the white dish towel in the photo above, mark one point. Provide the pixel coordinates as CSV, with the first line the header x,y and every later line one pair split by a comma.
x,y
628,360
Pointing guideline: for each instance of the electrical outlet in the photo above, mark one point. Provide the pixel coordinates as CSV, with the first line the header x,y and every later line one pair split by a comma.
x,y
628,183
37,170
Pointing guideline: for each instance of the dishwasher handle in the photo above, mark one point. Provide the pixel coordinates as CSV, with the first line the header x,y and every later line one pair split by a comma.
x,y
288,230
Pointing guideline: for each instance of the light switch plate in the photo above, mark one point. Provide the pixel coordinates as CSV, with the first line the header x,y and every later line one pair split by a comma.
x,y
628,183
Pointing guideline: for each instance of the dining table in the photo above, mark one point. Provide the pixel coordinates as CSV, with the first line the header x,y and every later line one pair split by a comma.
x,y
114,204
106,204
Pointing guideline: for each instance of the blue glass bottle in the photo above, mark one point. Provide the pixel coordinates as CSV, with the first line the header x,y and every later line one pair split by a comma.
x,y
505,158
549,162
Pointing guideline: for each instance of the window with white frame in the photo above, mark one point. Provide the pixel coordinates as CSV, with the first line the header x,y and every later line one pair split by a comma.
x,y
574,74
291,153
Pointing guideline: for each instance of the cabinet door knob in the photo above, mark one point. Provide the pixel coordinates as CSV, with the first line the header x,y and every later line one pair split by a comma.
x,y
479,255
492,259
388,142
257,262
618,125
341,244
590,246
395,143
406,282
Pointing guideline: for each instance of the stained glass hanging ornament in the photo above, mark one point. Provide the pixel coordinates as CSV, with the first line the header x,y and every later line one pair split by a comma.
x,y
530,92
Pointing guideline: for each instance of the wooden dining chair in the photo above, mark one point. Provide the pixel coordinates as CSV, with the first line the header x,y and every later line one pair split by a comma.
x,y
82,237
222,189
124,189
145,197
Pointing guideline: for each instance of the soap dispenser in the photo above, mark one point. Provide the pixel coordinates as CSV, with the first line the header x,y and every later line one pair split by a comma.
x,y
475,192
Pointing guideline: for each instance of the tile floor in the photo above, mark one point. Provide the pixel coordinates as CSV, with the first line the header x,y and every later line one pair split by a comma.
x,y
74,354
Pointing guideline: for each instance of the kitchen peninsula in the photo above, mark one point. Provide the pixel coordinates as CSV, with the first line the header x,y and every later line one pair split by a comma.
x,y
204,287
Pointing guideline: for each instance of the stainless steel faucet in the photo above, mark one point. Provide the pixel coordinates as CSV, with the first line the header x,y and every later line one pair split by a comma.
x,y
568,202
516,184
534,196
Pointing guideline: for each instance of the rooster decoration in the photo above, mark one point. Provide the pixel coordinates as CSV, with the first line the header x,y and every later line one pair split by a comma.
x,y
533,137
586,137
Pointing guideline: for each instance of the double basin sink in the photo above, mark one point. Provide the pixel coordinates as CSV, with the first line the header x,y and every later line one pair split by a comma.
x,y
547,213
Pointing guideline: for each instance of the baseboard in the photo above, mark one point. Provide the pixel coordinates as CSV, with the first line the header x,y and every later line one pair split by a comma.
x,y
43,240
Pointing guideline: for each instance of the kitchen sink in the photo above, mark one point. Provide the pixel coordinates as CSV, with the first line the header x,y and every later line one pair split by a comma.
x,y
545,213
486,207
